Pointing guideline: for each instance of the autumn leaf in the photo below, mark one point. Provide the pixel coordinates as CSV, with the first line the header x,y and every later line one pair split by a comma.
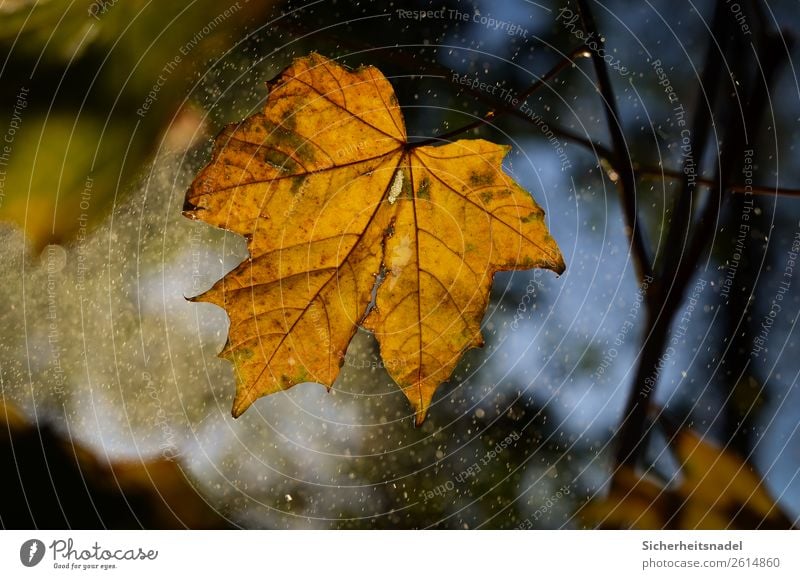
x,y
339,208
715,489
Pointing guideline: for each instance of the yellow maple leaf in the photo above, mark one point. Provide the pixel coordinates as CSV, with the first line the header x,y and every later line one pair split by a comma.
x,y
333,199
716,489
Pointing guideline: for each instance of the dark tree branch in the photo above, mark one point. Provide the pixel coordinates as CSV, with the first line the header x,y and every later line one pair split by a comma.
x,y
754,189
633,432
707,92
667,294
622,161
567,61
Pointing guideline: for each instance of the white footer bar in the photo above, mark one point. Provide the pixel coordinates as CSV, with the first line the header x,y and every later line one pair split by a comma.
x,y
399,554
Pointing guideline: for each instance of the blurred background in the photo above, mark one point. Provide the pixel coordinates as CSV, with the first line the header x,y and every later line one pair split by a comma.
x,y
117,409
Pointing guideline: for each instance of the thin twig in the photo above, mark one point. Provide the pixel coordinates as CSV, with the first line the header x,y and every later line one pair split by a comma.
x,y
623,166
399,58
705,182
568,60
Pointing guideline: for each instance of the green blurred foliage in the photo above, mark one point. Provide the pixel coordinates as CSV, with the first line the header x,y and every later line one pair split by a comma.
x,y
91,88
